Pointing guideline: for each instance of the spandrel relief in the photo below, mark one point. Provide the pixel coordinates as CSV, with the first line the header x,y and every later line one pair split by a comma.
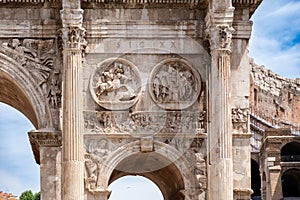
x,y
115,84
174,84
96,153
37,56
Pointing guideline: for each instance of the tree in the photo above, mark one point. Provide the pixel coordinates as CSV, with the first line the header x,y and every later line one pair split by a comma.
x,y
37,196
28,195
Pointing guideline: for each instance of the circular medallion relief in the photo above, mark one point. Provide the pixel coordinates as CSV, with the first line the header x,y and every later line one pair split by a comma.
x,y
174,84
115,84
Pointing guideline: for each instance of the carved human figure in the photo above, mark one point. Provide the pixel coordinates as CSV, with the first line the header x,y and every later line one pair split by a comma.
x,y
54,90
173,82
97,151
113,83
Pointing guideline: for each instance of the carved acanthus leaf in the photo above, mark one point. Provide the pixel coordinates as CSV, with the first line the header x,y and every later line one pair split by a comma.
x,y
239,117
73,38
220,37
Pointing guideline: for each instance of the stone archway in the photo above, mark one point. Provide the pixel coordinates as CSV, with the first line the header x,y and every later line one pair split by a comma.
x,y
255,180
291,183
19,90
134,187
290,152
164,166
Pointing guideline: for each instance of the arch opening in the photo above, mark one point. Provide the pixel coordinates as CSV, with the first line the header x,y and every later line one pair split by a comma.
x,y
290,152
18,169
11,94
290,181
134,188
156,168
255,180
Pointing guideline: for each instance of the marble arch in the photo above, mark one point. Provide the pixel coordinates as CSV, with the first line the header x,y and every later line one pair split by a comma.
x,y
49,49
24,94
165,161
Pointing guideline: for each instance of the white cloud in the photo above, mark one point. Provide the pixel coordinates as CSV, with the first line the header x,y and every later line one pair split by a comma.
x,y
275,40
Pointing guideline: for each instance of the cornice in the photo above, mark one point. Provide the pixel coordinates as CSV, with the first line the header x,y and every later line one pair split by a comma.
x,y
251,4
43,138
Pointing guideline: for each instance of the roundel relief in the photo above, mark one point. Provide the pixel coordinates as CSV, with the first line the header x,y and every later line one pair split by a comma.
x,y
174,84
115,84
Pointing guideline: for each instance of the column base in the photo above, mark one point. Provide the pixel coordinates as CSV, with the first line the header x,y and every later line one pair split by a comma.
x,y
242,193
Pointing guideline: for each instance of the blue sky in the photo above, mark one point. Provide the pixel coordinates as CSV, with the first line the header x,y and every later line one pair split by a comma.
x,y
275,43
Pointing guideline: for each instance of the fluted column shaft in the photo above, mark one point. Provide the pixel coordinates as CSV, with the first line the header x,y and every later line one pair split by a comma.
x,y
219,31
73,43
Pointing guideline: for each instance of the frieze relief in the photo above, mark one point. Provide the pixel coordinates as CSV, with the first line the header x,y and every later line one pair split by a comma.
x,y
240,120
144,122
37,56
174,84
115,84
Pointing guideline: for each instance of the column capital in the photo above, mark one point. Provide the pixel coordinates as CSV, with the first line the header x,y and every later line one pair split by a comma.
x,y
219,29
72,34
220,38
73,37
43,138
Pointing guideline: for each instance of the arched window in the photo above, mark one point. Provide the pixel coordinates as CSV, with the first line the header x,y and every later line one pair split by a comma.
x,y
134,188
290,181
255,180
290,152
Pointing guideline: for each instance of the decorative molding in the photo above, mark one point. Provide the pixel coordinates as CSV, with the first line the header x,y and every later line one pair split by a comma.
x,y
43,138
240,120
116,84
73,38
28,1
37,56
142,122
174,84
220,37
247,1
192,2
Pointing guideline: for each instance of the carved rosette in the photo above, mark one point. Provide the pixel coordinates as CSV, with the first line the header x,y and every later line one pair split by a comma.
x,y
115,84
240,120
174,84
220,37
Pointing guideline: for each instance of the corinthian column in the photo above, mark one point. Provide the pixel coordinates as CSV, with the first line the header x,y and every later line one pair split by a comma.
x,y
219,30
73,42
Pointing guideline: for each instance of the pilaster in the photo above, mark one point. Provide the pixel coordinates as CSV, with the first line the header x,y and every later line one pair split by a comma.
x,y
219,31
46,146
73,44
